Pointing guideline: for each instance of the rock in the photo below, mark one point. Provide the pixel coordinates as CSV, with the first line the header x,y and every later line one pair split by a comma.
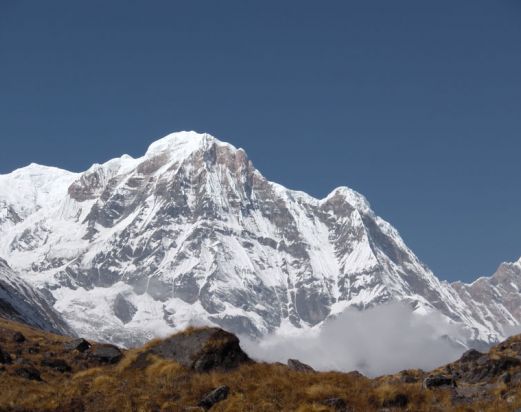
x,y
470,356
355,374
28,372
5,358
489,369
106,354
337,404
516,378
18,337
74,405
516,347
201,350
438,381
506,378
407,377
123,309
80,344
211,398
23,362
57,364
34,349
400,400
296,365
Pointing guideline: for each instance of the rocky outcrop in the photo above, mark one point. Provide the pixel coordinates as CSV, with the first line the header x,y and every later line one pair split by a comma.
x,y
106,354
80,344
296,365
201,350
437,381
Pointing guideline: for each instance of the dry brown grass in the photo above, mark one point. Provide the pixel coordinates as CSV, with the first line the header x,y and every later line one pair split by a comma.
x,y
163,385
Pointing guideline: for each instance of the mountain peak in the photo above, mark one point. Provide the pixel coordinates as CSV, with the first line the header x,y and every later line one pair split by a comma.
x,y
355,199
182,144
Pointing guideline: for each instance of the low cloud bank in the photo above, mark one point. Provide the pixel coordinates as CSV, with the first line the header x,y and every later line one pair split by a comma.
x,y
381,340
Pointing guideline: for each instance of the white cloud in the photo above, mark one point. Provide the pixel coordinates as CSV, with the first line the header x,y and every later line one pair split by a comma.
x,y
381,340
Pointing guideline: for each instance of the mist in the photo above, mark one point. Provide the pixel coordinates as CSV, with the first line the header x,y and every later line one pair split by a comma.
x,y
381,340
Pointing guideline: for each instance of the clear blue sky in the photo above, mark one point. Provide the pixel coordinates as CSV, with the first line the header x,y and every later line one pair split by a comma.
x,y
416,104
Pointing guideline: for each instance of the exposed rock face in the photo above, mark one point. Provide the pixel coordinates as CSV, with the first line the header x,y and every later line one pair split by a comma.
x,y
192,231
202,350
21,302
123,309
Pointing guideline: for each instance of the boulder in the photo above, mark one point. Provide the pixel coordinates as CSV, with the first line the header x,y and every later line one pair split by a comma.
x,y
470,356
57,364
201,350
487,369
296,365
106,354
5,358
211,398
337,404
506,378
34,349
18,337
28,372
400,400
516,378
80,344
438,381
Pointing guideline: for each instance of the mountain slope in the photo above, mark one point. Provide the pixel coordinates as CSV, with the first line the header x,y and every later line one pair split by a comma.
x,y
21,303
171,375
192,232
496,299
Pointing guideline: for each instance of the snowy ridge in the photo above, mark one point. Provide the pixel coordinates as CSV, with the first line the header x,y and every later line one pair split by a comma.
x,y
191,232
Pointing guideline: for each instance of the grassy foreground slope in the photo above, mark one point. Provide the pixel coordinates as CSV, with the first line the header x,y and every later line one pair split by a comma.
x,y
40,371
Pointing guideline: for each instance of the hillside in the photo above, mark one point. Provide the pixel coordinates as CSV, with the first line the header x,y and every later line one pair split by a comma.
x,y
202,369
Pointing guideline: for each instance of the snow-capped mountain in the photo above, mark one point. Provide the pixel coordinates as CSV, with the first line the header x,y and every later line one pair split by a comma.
x,y
495,299
22,303
192,232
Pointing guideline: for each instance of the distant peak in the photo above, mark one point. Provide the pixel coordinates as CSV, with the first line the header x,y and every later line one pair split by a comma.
x,y
355,199
181,142
38,169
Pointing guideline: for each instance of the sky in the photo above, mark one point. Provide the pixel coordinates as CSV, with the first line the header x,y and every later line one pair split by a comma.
x,y
415,104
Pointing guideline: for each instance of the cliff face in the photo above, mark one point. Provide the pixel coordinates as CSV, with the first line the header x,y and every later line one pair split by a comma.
x,y
22,303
